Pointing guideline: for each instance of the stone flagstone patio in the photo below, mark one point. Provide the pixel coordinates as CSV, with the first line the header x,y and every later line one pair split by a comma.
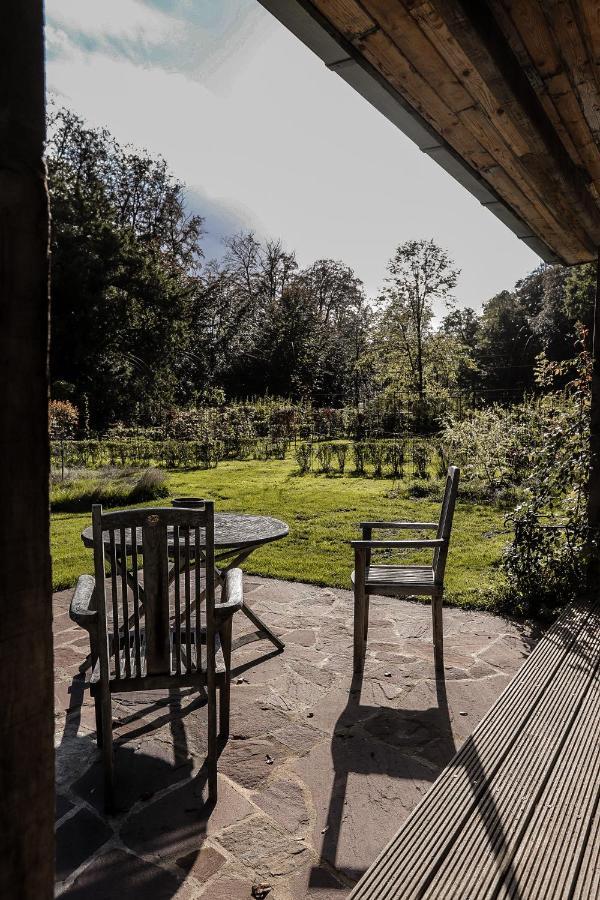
x,y
320,768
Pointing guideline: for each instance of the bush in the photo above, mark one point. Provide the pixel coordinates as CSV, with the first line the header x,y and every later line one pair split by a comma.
x,y
493,445
151,485
376,455
443,461
420,458
324,454
359,453
303,454
395,458
341,452
78,492
545,562
63,420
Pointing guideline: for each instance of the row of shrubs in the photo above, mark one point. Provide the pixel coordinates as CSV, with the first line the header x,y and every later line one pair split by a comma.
x,y
382,458
266,417
92,454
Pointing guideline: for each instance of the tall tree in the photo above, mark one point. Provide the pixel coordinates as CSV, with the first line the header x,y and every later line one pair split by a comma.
x,y
420,274
125,258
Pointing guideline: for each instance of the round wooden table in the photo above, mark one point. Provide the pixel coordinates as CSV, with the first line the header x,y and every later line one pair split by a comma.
x,y
237,535
233,532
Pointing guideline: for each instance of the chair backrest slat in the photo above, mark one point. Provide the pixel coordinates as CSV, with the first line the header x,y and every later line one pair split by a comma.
x,y
177,598
124,601
136,602
188,601
156,597
197,597
164,542
115,603
445,523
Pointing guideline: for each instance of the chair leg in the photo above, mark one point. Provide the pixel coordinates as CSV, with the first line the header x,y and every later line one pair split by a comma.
x,y
438,631
98,710
107,751
366,618
360,627
212,742
225,688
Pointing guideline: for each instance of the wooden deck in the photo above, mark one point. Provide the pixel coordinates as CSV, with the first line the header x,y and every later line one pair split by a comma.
x,y
516,813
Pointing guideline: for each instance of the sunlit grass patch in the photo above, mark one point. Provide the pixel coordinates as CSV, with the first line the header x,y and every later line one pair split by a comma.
x,y
323,515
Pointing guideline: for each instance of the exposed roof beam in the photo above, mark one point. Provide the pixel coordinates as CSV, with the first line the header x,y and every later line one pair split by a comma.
x,y
300,17
473,26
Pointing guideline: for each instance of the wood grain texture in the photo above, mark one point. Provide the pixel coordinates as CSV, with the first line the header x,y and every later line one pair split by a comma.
x,y
395,580
512,86
26,704
515,813
151,637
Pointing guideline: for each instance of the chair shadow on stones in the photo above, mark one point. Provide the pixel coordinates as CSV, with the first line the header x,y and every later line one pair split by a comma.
x,y
162,792
378,740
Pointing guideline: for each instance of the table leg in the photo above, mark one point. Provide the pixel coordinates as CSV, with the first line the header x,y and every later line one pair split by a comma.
x,y
263,631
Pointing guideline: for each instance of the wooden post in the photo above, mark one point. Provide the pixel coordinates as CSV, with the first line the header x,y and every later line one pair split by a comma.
x,y
26,684
594,476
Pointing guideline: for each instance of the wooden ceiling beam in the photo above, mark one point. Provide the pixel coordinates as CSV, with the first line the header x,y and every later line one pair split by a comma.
x,y
507,104
536,48
419,34
472,25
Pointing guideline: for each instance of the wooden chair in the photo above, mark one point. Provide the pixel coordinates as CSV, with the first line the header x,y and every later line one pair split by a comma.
x,y
150,636
402,581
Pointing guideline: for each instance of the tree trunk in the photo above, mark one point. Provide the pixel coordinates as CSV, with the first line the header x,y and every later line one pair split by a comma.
x,y
420,364
26,691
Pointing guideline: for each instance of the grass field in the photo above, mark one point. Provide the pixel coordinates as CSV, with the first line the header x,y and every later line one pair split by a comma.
x,y
322,513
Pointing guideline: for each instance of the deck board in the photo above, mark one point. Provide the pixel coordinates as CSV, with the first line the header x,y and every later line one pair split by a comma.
x,y
514,813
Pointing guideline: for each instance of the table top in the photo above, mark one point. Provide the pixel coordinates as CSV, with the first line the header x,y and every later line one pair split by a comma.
x,y
235,531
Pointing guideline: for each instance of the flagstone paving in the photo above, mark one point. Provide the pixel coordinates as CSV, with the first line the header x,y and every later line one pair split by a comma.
x,y
320,768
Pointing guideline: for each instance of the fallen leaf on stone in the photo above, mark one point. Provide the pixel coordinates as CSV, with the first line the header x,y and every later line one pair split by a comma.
x,y
260,891
242,681
323,830
388,674
309,715
269,760
463,713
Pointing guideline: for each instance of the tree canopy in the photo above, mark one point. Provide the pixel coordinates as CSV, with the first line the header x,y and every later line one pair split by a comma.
x,y
142,323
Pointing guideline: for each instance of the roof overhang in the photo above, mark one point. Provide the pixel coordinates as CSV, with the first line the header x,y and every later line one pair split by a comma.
x,y
396,55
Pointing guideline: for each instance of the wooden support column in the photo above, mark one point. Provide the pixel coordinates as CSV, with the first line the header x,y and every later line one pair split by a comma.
x,y
594,477
26,684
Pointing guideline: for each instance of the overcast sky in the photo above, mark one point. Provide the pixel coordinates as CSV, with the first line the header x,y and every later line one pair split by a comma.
x,y
265,137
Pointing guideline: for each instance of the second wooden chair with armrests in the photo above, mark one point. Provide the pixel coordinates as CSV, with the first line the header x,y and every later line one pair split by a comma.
x,y
402,580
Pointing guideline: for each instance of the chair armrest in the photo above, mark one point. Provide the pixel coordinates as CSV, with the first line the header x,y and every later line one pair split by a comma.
x,y
232,595
82,609
412,525
406,545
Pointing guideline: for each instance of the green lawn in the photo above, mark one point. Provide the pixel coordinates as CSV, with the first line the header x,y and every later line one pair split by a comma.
x,y
322,513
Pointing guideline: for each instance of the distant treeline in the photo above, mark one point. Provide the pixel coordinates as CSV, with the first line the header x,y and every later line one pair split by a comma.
x,y
143,324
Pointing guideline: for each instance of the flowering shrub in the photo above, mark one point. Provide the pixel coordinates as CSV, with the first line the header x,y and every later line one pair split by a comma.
x,y
64,419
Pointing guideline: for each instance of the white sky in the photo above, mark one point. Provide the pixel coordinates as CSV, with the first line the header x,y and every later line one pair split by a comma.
x,y
265,137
